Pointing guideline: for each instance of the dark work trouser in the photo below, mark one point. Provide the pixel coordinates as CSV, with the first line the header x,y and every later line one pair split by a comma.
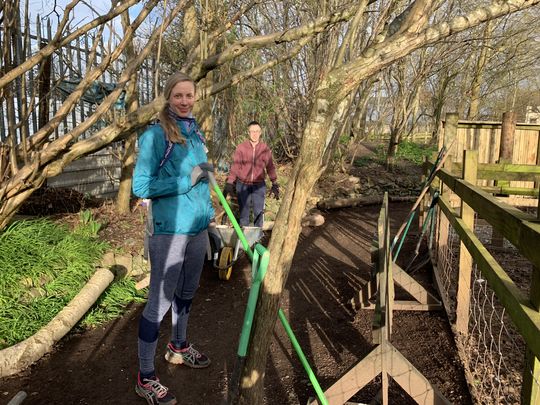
x,y
251,195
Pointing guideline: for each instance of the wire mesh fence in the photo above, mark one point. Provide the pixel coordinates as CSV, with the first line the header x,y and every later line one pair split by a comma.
x,y
492,350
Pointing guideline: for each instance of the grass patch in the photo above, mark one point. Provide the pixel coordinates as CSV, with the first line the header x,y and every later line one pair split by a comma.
x,y
43,266
409,151
414,152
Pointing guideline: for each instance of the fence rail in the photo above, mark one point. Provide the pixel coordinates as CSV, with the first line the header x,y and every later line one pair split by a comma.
x,y
489,288
417,137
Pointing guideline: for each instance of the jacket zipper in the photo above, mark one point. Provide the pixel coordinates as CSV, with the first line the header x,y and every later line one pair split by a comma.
x,y
253,163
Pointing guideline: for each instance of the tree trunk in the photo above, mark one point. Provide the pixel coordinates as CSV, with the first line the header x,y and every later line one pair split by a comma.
x,y
392,145
123,196
333,88
282,246
474,107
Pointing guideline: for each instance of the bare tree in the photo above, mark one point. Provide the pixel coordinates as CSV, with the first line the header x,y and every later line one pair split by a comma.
x,y
123,196
48,158
411,33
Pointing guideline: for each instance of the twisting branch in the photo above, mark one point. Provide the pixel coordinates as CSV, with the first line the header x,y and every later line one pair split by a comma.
x,y
289,35
48,162
59,41
237,78
90,76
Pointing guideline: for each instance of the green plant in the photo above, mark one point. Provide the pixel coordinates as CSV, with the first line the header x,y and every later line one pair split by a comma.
x,y
87,224
112,302
414,152
44,266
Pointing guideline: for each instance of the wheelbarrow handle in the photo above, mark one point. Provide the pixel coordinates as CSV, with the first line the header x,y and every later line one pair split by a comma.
x,y
225,205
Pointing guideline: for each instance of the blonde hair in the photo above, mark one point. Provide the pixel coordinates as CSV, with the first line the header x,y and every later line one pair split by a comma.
x,y
172,132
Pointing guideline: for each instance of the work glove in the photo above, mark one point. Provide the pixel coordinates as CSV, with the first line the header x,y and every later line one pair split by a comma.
x,y
229,189
200,172
275,190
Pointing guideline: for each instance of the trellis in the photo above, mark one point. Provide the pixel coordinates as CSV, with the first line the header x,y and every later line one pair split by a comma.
x,y
34,98
37,95
385,359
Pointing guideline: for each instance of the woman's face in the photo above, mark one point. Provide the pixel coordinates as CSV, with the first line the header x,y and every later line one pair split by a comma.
x,y
182,98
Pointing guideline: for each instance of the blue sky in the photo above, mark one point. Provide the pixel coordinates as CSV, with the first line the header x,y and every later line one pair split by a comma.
x,y
81,14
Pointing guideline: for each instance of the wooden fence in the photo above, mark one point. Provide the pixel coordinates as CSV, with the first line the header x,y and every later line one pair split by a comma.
x,y
496,142
385,359
417,137
494,308
37,95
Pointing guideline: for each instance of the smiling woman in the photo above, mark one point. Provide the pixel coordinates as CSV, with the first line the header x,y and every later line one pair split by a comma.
x,y
172,171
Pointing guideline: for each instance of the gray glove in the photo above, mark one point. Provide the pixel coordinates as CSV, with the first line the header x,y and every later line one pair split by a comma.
x,y
200,172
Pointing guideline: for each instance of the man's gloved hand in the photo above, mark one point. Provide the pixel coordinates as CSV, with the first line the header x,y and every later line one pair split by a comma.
x,y
229,189
275,190
200,172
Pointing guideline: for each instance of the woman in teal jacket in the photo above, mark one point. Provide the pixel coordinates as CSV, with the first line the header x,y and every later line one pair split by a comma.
x,y
172,171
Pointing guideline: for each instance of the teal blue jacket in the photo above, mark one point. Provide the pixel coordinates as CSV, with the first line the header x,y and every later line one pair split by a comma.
x,y
177,207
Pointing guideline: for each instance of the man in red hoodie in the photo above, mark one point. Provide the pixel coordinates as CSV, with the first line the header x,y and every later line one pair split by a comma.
x,y
252,160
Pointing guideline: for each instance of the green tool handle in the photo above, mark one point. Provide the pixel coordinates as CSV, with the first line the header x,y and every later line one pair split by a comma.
x,y
230,214
260,254
303,360
253,297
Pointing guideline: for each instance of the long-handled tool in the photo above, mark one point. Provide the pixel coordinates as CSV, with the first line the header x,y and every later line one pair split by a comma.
x,y
259,259
439,162
427,220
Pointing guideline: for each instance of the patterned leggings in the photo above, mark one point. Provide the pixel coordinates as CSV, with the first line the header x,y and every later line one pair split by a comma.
x,y
176,266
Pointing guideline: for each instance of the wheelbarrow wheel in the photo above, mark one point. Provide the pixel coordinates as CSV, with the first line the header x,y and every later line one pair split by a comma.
x,y
225,263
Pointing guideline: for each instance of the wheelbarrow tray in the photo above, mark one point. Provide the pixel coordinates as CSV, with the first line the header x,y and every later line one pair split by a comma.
x,y
229,238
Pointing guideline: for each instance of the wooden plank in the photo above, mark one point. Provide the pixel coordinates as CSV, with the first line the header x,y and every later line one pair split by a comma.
x,y
413,287
503,171
400,305
521,229
517,304
99,175
354,379
378,316
362,300
470,159
450,134
496,125
507,190
412,380
518,201
530,392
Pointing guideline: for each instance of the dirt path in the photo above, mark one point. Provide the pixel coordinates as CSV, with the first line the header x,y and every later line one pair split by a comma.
x,y
331,263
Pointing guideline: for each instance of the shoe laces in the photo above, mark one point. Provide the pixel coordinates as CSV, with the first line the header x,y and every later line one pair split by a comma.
x,y
159,389
194,352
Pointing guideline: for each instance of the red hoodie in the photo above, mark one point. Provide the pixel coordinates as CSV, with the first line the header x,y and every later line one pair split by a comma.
x,y
250,163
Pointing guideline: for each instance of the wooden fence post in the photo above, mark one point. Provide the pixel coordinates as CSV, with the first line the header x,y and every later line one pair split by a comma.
x,y
506,151
450,133
446,137
530,390
470,167
508,128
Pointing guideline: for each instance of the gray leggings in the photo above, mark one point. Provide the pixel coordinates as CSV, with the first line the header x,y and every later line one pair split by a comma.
x,y
176,266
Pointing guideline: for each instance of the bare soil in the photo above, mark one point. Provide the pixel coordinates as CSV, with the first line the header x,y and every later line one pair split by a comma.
x,y
331,264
